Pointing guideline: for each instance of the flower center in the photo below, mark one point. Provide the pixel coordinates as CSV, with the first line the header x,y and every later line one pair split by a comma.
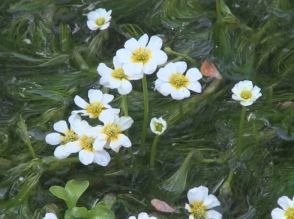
x,y
100,21
198,210
178,80
119,74
95,109
158,127
112,131
69,136
289,213
141,55
246,94
87,143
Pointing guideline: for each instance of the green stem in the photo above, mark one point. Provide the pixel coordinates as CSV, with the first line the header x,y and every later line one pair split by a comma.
x,y
124,105
153,151
241,124
146,108
168,50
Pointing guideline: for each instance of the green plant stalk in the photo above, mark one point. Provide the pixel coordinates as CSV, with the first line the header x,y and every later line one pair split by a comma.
x,y
31,149
146,109
124,105
153,151
241,124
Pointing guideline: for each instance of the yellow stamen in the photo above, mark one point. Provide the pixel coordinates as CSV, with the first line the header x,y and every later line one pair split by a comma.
x,y
141,55
69,136
112,131
158,126
100,21
198,209
289,213
95,109
87,143
246,94
178,80
119,74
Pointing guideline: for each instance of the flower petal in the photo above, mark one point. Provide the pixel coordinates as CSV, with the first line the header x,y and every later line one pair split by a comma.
x,y
193,74
123,55
150,67
72,147
53,138
115,145
181,66
212,214
155,43
211,201
278,213
125,122
86,157
164,74
180,94
103,70
100,142
92,25
165,88
60,126
107,98
107,116
60,152
197,194
134,69
285,202
105,26
80,102
94,95
195,86
124,141
143,40
125,88
102,158
131,44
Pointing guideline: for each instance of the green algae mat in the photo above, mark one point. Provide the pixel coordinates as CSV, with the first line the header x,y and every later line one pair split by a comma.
x,y
146,109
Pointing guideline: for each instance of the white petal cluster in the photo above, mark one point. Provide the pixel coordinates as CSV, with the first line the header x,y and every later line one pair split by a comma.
x,y
172,80
91,142
118,78
287,209
99,19
158,125
200,204
50,216
98,103
142,215
142,56
246,93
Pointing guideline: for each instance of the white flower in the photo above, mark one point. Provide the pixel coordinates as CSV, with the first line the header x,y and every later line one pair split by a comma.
x,y
110,134
142,215
287,209
85,144
118,78
172,80
158,125
99,19
142,58
62,137
99,103
200,204
50,216
246,93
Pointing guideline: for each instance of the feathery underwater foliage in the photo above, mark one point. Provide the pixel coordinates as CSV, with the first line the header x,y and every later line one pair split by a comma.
x,y
48,55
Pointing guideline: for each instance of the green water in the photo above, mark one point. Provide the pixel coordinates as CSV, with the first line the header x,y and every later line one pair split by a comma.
x,y
48,55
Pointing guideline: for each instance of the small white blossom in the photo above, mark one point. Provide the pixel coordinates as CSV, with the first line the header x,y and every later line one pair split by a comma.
x,y
142,215
200,204
246,93
50,216
117,78
172,80
62,137
110,134
158,125
287,209
142,56
85,144
99,103
99,19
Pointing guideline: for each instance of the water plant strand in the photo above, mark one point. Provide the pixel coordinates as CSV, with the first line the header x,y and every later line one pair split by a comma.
x,y
241,124
146,109
153,151
124,105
